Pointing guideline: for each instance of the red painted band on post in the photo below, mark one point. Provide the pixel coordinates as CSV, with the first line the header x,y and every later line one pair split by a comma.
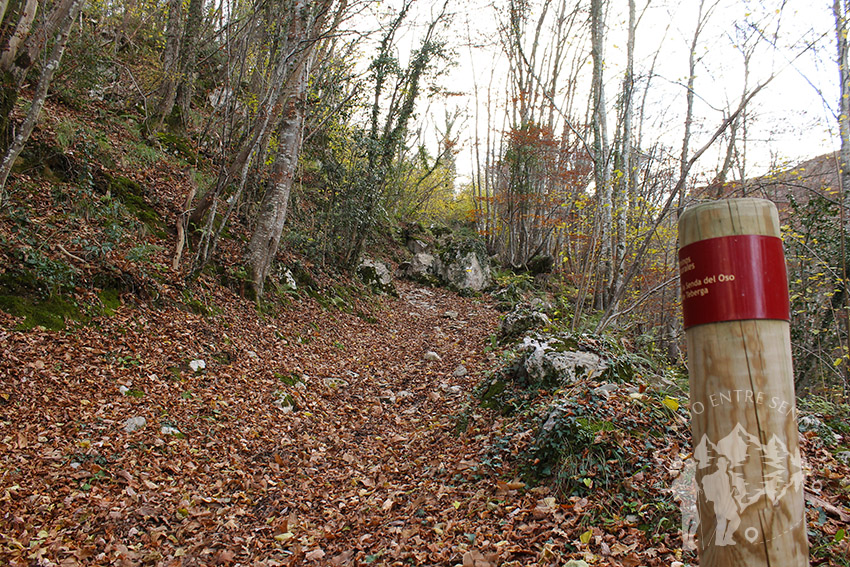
x,y
733,278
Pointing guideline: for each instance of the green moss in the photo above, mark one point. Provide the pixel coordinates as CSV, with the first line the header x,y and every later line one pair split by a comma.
x,y
110,298
132,195
291,379
48,161
460,248
179,145
50,313
199,307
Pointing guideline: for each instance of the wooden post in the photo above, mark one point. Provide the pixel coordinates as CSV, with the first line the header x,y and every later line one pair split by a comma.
x,y
743,413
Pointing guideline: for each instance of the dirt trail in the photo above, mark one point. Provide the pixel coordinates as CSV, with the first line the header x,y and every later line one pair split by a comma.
x,y
367,467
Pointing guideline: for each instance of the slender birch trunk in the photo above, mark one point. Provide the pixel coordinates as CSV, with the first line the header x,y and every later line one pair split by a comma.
x,y
22,30
266,237
20,54
189,58
171,59
601,161
840,11
625,182
47,72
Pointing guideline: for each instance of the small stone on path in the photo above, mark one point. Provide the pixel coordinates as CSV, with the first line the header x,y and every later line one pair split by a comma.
x,y
134,424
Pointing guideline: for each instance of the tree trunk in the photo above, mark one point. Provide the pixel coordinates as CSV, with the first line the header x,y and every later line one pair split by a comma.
x,y
22,30
266,238
308,21
689,95
625,182
26,50
189,57
170,67
601,163
47,72
839,9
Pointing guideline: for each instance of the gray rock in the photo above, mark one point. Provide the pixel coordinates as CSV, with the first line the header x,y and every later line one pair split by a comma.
x,y
432,356
465,265
809,423
605,390
547,363
451,390
335,383
824,432
169,430
286,403
289,280
423,268
460,371
552,419
538,304
134,424
522,319
417,246
461,264
377,276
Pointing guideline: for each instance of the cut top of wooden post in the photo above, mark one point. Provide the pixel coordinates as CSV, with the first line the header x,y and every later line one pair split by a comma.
x,y
729,217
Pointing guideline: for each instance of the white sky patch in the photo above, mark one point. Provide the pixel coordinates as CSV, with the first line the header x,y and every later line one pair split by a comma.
x,y
789,121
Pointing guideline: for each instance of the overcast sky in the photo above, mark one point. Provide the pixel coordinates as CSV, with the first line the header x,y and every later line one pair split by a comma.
x,y
789,121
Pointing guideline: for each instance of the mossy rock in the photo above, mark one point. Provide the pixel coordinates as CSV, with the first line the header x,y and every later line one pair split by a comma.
x,y
179,145
50,313
23,295
377,276
132,195
50,162
439,230
491,394
541,264
303,277
114,282
465,265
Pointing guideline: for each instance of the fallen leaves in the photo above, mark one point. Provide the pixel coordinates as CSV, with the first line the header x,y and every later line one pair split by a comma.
x,y
369,471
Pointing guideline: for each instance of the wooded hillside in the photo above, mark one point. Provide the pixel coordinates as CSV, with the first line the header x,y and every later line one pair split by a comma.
x,y
267,297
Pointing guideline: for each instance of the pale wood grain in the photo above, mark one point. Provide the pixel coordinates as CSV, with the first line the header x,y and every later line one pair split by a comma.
x,y
752,356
